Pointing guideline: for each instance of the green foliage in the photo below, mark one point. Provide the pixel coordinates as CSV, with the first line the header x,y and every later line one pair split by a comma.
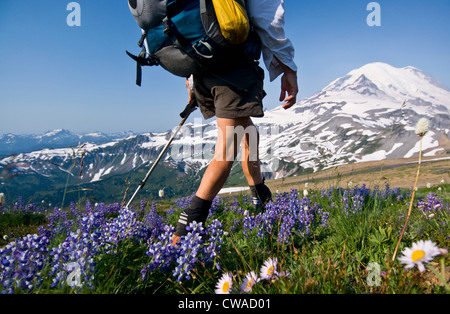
x,y
18,224
334,258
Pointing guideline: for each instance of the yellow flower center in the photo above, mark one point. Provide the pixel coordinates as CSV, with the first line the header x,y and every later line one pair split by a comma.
x,y
417,254
249,284
270,270
225,287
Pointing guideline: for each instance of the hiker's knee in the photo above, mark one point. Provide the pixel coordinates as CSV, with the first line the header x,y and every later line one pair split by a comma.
x,y
233,133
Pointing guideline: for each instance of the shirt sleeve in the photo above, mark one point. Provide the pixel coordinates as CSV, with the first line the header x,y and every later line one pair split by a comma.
x,y
267,17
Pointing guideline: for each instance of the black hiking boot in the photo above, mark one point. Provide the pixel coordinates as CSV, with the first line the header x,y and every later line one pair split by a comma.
x,y
261,195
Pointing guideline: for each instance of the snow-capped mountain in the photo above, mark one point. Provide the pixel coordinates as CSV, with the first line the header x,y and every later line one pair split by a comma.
x,y
368,114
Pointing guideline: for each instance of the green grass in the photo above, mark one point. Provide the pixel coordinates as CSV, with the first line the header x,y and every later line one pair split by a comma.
x,y
14,225
333,259
352,255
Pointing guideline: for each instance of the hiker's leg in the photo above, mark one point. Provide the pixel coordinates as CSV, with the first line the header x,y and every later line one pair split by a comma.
x,y
251,167
214,177
231,133
225,153
232,106
250,156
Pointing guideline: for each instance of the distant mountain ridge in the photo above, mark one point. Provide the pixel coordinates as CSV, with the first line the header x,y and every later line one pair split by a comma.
x,y
59,138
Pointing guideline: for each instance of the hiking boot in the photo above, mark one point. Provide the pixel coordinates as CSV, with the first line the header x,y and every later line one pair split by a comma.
x,y
197,211
261,195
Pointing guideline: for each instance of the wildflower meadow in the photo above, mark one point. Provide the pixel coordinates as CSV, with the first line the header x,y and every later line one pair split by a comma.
x,y
324,241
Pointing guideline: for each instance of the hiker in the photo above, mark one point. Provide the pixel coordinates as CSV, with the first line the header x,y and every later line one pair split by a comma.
x,y
235,107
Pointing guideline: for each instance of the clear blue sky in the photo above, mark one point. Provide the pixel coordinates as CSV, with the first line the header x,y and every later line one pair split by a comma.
x,y
79,78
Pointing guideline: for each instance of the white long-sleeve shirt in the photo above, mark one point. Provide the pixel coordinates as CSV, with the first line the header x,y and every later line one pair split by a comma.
x,y
267,16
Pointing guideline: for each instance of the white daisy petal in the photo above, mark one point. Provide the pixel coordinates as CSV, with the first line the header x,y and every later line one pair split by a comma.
x,y
224,284
269,268
250,280
420,252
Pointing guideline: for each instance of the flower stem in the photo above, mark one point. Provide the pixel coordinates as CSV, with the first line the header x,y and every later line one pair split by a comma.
x,y
412,200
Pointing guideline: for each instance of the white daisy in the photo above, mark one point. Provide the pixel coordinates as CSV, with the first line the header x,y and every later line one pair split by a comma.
x,y
250,280
224,285
421,252
268,270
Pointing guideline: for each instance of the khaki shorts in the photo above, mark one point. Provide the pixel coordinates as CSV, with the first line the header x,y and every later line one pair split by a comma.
x,y
234,93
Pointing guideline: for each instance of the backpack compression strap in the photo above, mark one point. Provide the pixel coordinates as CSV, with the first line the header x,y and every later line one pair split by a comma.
x,y
141,60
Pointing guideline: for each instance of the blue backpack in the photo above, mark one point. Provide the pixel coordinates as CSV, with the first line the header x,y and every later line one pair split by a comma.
x,y
185,37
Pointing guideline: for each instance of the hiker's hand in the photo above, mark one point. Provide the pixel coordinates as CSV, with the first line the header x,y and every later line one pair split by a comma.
x,y
289,87
189,82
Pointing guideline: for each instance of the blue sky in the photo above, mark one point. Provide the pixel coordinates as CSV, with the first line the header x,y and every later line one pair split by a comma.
x,y
79,78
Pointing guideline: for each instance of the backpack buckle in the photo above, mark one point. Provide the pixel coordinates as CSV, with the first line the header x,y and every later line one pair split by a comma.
x,y
168,26
202,44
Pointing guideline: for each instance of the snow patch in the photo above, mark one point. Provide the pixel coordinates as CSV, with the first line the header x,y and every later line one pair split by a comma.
x,y
233,189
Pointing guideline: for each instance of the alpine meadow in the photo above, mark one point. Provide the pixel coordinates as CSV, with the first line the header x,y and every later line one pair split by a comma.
x,y
334,226
338,186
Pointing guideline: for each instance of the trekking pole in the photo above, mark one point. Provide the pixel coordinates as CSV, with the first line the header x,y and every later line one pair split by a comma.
x,y
185,114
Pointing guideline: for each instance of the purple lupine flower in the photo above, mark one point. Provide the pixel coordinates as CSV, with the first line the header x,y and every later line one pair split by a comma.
x,y
78,249
210,251
22,262
248,224
154,222
124,226
184,202
431,204
216,203
162,252
188,251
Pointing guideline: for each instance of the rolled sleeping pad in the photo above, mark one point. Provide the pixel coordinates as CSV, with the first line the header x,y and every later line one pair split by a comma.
x,y
148,13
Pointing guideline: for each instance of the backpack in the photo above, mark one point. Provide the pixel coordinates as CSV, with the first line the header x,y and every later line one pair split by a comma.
x,y
188,37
